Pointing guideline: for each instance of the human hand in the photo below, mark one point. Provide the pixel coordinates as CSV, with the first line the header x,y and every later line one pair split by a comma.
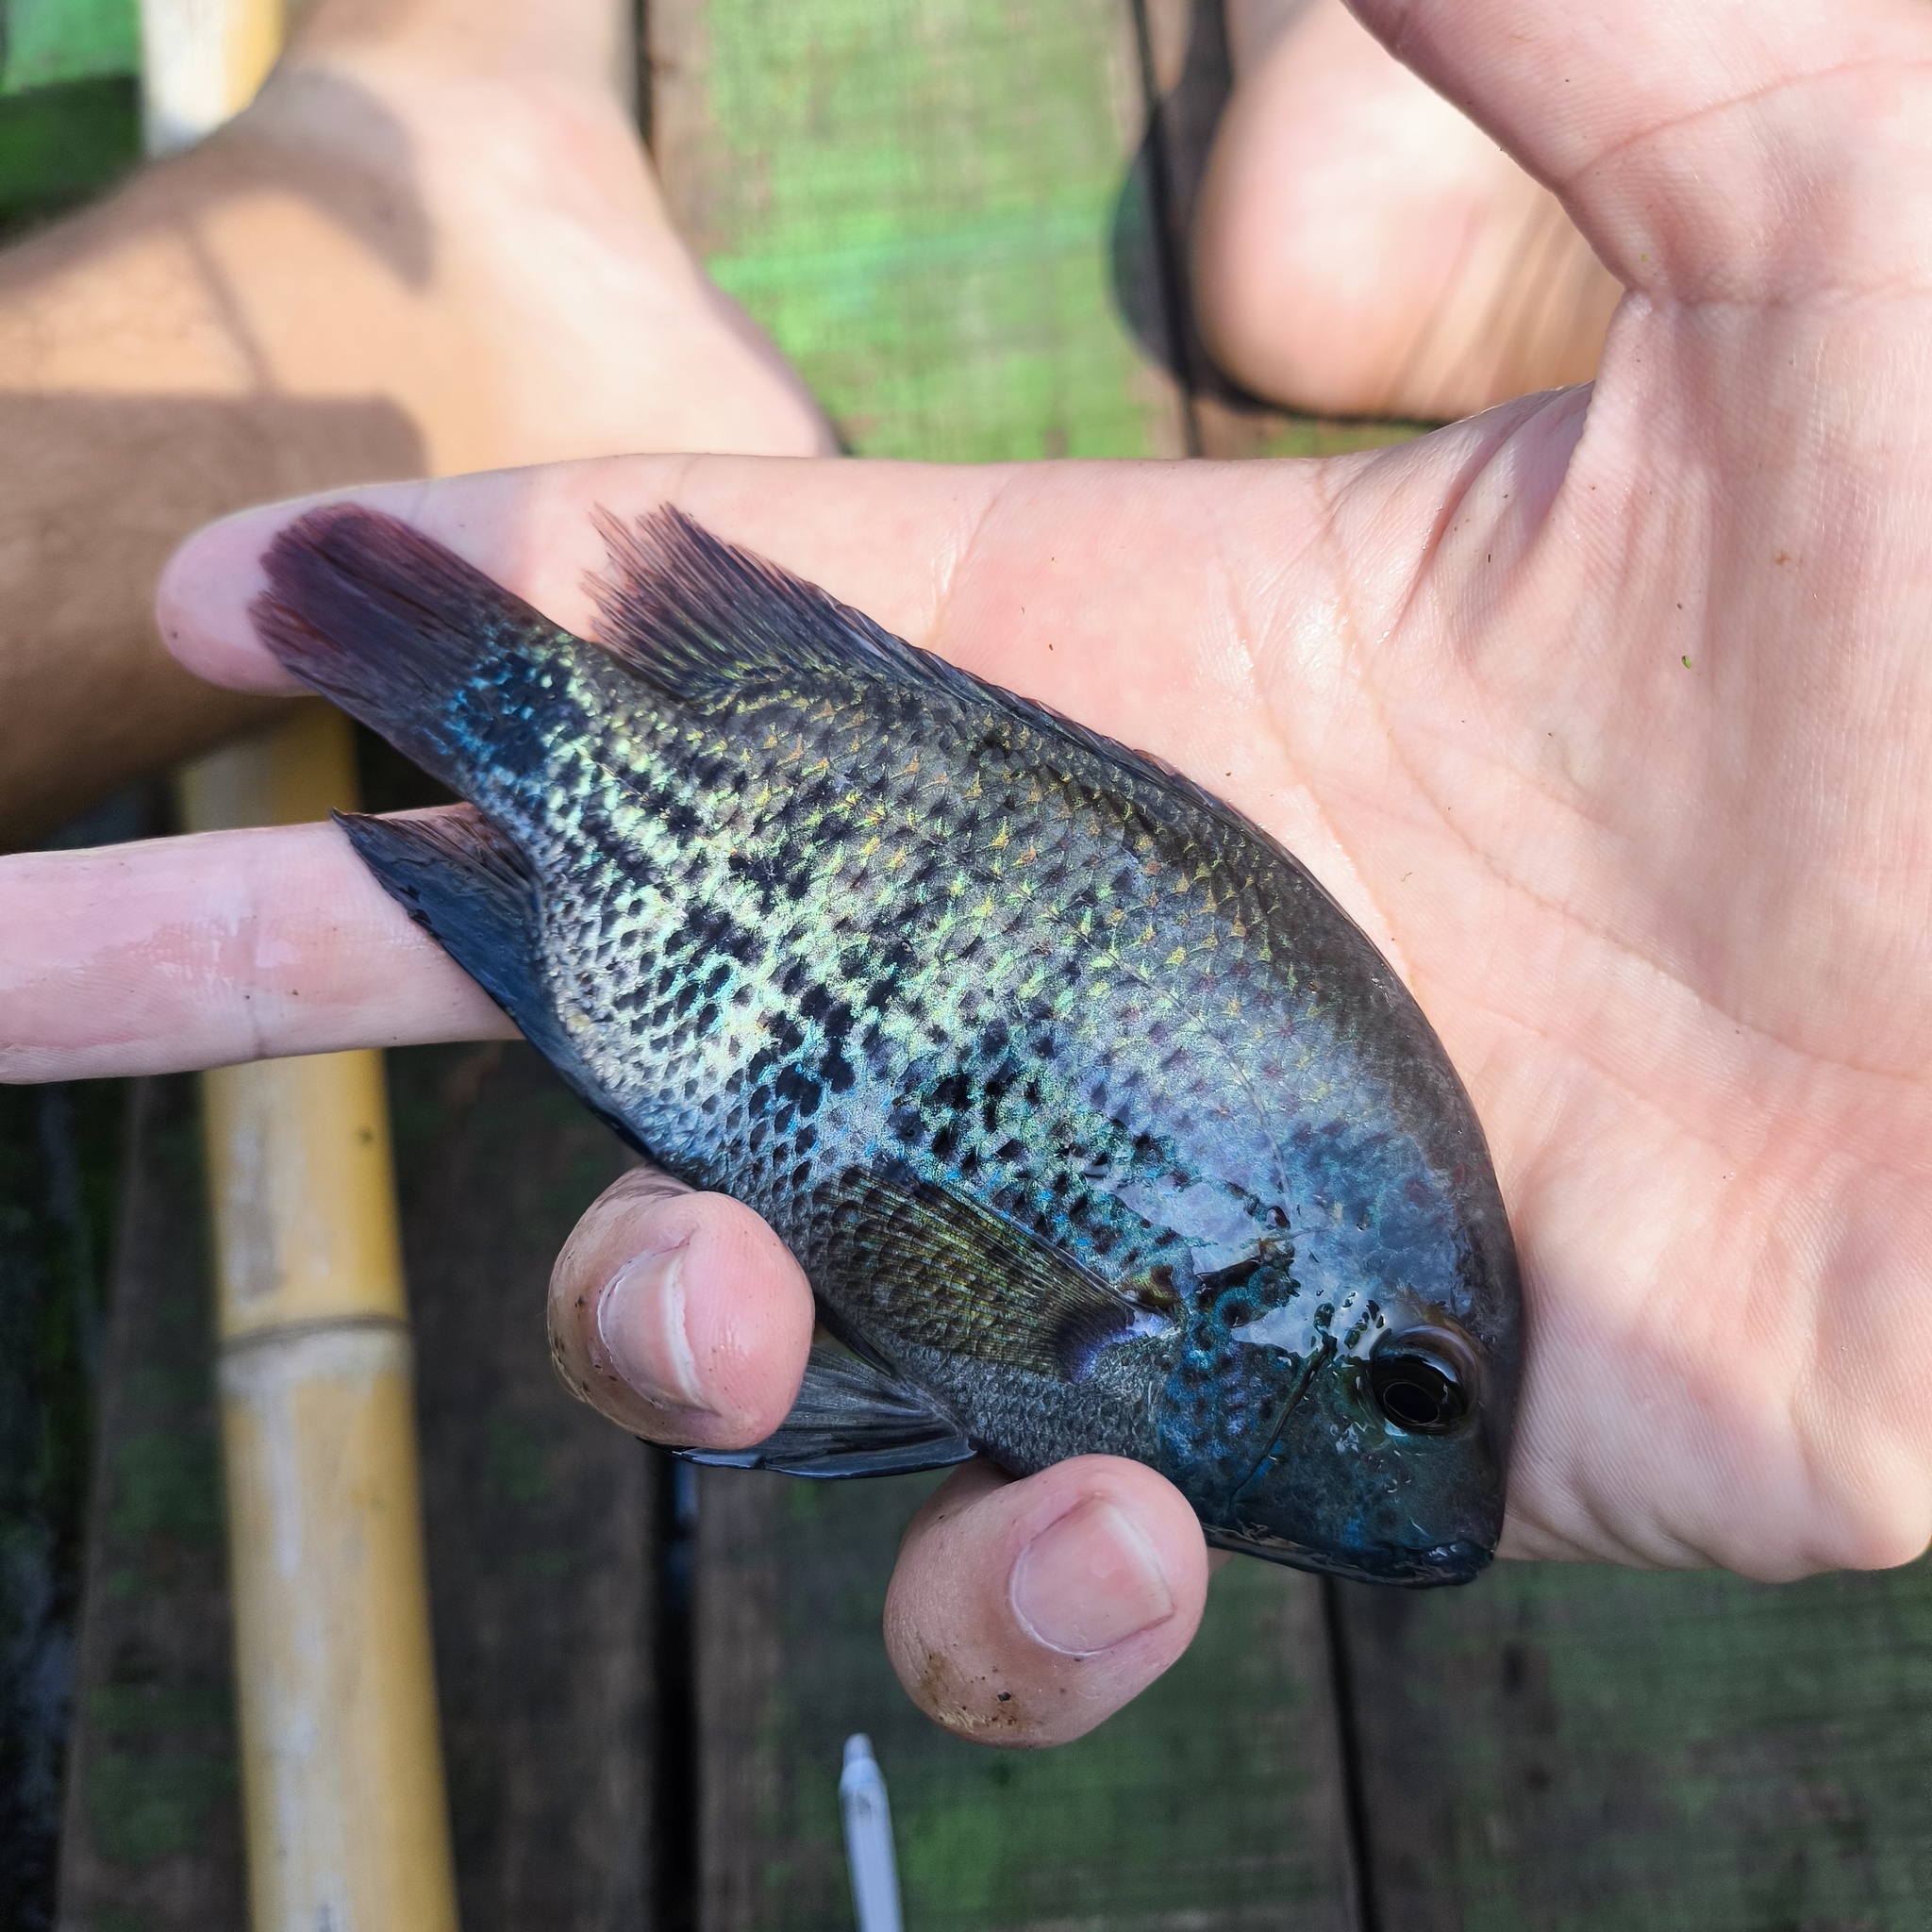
x,y
1601,712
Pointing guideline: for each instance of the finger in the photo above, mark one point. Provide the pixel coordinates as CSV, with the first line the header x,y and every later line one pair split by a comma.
x,y
1024,1613
205,951
680,1315
1729,151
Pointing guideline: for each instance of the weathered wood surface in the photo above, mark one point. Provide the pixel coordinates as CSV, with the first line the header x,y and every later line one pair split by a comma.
x,y
1212,1803
540,1528
1590,1748
541,1518
915,196
152,1836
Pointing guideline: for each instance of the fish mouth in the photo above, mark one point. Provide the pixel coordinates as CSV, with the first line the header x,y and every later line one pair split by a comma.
x,y
1417,1567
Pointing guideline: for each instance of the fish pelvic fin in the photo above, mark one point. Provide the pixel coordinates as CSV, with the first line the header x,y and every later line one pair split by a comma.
x,y
390,624
469,887
905,1260
851,1418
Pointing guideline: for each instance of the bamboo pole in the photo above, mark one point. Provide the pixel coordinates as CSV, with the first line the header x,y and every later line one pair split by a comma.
x,y
341,1770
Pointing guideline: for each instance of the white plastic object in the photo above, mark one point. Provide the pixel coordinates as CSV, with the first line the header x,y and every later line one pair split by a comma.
x,y
869,1838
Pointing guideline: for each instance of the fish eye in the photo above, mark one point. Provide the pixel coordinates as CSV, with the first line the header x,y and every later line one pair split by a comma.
x,y
1423,1381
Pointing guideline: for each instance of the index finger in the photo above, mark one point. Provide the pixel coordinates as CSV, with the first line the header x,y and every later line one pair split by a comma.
x,y
205,951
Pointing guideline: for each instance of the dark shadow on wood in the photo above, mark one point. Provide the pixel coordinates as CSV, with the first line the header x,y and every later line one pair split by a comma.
x,y
678,1759
1154,217
541,1519
1362,1897
1149,231
152,1829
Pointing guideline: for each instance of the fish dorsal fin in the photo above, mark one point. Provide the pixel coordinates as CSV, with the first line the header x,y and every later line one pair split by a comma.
x,y
696,617
907,1260
851,1418
693,616
471,890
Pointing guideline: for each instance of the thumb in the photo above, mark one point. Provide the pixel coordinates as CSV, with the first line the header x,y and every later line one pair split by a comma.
x,y
1740,149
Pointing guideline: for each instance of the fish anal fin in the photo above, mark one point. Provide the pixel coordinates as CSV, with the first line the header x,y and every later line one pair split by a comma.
x,y
914,1261
470,888
851,1418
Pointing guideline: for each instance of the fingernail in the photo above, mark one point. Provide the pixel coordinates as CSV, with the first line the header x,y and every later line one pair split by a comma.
x,y
1088,1581
640,1324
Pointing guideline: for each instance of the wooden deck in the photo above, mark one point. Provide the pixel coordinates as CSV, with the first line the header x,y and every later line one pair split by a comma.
x,y
951,214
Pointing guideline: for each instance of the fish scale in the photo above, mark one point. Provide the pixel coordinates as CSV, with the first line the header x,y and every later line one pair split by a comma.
x,y
1094,1123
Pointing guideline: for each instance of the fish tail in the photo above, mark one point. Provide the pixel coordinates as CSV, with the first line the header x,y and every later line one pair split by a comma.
x,y
392,625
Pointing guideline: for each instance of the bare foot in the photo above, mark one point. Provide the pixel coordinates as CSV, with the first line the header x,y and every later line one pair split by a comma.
x,y
1362,249
434,244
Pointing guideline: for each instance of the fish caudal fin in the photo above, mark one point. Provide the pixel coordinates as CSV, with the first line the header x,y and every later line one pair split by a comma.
x,y
388,624
851,1418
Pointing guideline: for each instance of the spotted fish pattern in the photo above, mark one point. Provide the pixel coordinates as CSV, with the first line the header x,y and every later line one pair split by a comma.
x,y
1094,1122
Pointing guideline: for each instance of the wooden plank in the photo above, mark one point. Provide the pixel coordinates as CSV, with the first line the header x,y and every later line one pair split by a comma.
x,y
1580,1748
540,1516
58,1161
1210,1803
915,197
152,1834
540,1522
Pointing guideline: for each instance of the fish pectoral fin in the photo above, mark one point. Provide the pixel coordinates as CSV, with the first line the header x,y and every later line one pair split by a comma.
x,y
919,1263
851,1418
471,890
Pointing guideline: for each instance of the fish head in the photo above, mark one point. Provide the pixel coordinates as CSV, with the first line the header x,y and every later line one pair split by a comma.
x,y
1357,1422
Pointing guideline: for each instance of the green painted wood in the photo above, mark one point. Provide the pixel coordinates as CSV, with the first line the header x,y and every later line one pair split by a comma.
x,y
1209,1804
915,197
70,106
1581,1749
48,42
60,145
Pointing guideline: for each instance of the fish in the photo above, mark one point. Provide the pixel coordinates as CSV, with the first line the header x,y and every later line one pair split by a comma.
x,y
1095,1123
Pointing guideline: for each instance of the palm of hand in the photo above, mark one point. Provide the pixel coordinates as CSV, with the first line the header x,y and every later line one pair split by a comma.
x,y
1600,712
